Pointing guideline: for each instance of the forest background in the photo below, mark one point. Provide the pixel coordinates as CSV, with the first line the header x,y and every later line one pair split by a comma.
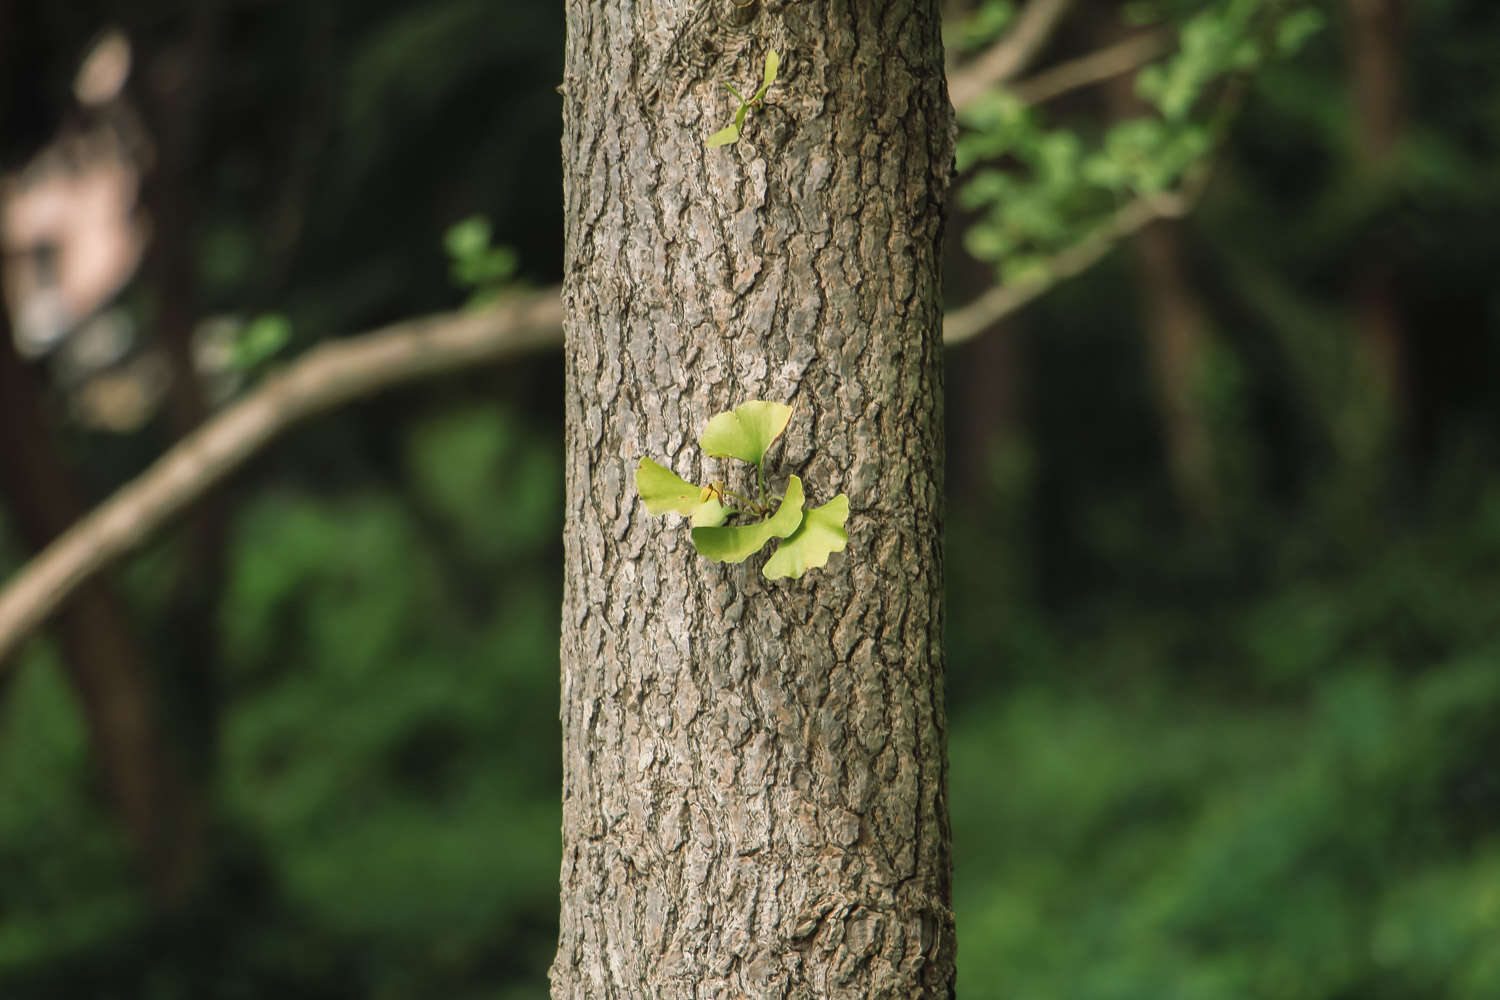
x,y
1223,531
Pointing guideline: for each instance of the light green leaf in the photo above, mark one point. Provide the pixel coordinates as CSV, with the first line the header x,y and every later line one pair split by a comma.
x,y
666,492
820,533
723,137
738,542
709,514
738,96
663,490
773,63
746,431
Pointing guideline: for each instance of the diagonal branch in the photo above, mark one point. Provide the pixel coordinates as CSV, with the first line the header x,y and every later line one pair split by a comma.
x,y
327,377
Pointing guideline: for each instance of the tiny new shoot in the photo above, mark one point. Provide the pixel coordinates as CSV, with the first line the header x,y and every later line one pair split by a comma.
x,y
731,132
729,526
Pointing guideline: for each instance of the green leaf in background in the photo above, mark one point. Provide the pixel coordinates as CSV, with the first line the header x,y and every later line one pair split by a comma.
x,y
820,534
737,543
475,263
983,25
773,64
467,238
746,431
1296,28
261,338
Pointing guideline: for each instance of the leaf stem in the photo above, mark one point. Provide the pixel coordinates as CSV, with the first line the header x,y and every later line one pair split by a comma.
x,y
750,505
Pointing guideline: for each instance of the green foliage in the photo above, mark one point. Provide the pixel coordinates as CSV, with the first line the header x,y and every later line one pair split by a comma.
x,y
981,26
746,433
68,885
388,656
260,340
1039,189
476,264
731,132
1225,785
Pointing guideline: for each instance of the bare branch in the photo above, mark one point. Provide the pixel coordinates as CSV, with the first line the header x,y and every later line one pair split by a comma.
x,y
1096,67
327,377
1009,57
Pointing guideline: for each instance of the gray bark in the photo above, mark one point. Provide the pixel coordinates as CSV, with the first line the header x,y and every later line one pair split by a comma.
x,y
754,788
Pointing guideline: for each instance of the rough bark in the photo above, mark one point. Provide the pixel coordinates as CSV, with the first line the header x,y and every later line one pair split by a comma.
x,y
754,798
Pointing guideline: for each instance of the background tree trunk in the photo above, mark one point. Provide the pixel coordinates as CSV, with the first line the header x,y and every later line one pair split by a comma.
x,y
1375,82
754,800
106,664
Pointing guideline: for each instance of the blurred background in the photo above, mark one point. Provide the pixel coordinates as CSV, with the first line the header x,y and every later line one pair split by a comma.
x,y
1224,503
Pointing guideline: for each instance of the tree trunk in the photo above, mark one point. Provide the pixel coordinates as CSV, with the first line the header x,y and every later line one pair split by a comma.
x,y
754,789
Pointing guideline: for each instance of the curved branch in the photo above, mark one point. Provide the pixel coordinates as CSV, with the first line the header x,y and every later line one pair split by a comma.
x,y
326,377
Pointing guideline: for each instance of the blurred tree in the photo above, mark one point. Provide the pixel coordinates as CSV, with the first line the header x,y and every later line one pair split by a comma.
x,y
754,797
1375,70
106,663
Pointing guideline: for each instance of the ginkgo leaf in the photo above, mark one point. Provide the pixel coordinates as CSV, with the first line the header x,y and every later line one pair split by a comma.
x,y
737,543
746,431
710,514
820,534
664,490
773,63
724,136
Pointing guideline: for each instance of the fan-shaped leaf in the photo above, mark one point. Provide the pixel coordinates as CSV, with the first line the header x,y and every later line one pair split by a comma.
x,y
820,533
664,490
746,431
737,543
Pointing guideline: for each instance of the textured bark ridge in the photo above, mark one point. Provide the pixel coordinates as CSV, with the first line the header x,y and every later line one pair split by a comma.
x,y
754,790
